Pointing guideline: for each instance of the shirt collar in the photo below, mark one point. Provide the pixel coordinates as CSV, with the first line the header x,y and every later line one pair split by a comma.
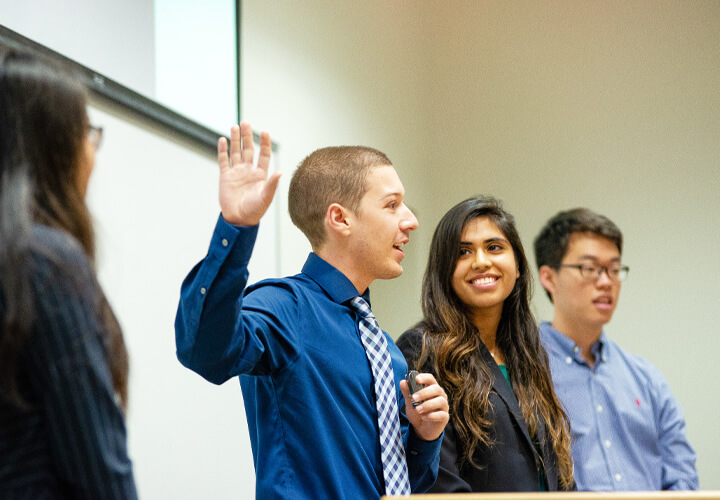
x,y
331,280
566,345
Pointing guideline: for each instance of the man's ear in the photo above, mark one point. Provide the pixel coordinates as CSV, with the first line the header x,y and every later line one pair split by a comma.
x,y
337,220
547,278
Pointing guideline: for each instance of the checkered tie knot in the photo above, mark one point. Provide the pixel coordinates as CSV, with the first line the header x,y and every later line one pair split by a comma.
x,y
395,470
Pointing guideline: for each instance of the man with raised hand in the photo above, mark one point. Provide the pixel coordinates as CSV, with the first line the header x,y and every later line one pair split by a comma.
x,y
328,409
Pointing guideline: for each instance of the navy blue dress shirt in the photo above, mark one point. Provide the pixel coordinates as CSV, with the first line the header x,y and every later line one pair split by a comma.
x,y
306,381
628,430
71,441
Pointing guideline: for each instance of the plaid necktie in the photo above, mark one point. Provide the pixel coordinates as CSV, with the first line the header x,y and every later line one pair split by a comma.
x,y
395,469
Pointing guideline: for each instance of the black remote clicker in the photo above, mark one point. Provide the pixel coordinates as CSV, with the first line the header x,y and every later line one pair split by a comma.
x,y
413,385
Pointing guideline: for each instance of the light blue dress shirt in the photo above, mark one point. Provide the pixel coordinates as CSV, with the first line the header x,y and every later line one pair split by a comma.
x,y
628,430
307,385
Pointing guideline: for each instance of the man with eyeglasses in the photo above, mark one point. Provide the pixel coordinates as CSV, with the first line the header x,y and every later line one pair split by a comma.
x,y
628,430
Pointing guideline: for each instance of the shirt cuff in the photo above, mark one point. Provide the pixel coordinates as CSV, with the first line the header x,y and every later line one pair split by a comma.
x,y
223,247
421,450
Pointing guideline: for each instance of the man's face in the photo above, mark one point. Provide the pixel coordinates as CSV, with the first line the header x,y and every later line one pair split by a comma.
x,y
581,302
383,225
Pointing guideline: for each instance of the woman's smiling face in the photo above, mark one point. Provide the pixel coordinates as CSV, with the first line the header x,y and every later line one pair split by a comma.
x,y
486,269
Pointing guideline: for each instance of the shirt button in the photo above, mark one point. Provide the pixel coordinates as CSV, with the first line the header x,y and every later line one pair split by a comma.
x,y
618,477
203,290
599,408
607,443
577,349
568,360
224,242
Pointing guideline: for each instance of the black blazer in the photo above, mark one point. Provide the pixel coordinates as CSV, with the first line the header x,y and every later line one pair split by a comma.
x,y
509,464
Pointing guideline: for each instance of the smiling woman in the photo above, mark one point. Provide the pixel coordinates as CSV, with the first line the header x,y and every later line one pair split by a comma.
x,y
507,431
485,276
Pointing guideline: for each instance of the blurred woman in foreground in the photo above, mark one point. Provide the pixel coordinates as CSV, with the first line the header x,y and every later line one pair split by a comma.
x,y
63,362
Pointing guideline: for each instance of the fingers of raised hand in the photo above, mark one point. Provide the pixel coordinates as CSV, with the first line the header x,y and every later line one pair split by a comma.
x,y
265,151
222,149
247,153
242,148
236,154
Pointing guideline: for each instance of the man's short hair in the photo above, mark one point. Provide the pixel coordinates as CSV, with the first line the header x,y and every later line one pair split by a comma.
x,y
551,244
330,175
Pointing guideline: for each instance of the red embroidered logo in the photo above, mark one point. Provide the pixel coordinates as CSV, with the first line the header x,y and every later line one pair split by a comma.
x,y
637,402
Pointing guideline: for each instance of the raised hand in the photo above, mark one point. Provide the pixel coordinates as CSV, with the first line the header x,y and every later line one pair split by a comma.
x,y
245,190
430,417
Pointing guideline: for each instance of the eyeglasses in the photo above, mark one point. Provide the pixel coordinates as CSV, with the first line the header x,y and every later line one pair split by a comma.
x,y
592,272
95,135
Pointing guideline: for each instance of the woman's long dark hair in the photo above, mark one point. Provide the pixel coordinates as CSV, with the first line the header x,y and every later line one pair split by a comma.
x,y
43,128
451,341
